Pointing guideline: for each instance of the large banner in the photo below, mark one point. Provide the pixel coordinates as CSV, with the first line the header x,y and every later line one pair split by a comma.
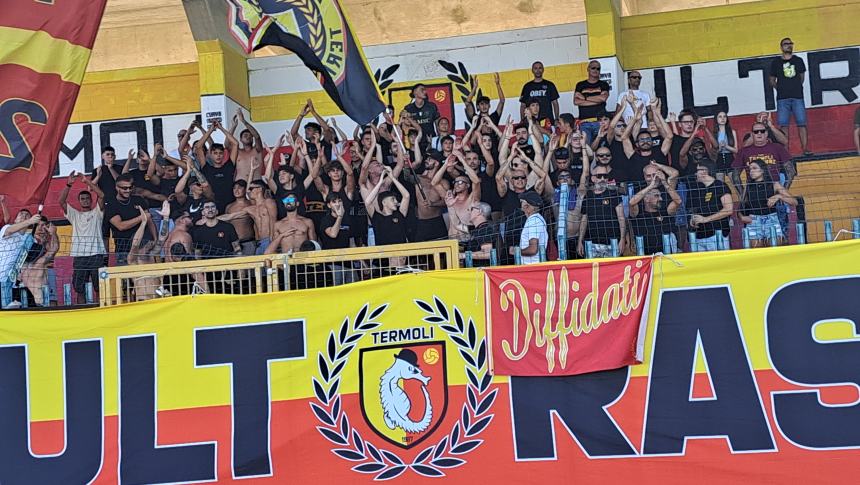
x,y
567,319
44,50
750,376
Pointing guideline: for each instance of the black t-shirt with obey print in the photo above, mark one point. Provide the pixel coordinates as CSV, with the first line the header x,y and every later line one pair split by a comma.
x,y
545,93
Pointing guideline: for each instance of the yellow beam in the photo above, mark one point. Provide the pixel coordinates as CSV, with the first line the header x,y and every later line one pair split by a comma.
x,y
604,28
137,93
736,31
223,70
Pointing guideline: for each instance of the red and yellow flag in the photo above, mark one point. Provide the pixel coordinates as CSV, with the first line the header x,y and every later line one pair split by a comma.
x,y
44,49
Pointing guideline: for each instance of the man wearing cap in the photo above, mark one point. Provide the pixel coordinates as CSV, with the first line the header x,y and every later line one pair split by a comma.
x,y
534,236
543,91
423,111
292,230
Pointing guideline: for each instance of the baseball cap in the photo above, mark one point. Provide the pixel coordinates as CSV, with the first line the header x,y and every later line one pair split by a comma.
x,y
532,198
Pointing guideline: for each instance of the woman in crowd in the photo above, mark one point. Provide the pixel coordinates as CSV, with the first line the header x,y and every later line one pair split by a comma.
x,y
758,207
725,139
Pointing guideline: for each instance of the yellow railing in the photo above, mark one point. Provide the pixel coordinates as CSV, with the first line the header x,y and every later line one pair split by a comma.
x,y
277,272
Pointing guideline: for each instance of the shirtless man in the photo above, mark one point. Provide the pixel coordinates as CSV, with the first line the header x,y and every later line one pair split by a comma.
x,y
262,211
34,274
242,222
179,235
250,156
466,192
431,225
292,230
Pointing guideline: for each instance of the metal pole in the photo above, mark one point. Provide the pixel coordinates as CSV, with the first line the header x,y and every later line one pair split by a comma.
x,y
24,302
561,231
721,243
46,296
467,259
746,235
494,257
67,294
801,233
518,256
828,231
640,245
855,227
774,241
691,236
90,293
667,244
542,253
614,244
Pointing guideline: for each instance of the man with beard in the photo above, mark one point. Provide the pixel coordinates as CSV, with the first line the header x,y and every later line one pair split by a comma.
x,y
787,73
710,204
124,217
541,90
221,172
292,230
466,190
249,157
431,225
655,218
602,218
263,212
87,249
423,111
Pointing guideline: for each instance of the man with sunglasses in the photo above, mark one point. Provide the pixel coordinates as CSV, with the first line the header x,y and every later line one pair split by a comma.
x,y
602,218
787,73
645,152
124,217
634,96
590,96
774,154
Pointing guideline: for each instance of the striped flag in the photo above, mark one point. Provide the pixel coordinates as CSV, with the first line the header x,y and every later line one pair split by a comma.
x,y
44,49
317,31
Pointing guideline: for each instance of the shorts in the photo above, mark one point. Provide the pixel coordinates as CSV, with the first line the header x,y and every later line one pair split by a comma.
x,y
785,108
249,247
760,227
711,243
431,229
600,251
261,246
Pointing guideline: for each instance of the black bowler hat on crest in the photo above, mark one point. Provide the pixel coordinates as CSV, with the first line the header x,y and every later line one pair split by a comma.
x,y
408,355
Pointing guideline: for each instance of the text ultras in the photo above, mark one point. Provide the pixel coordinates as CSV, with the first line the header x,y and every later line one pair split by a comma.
x,y
565,311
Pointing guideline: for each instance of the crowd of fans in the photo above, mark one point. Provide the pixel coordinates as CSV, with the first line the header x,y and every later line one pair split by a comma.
x,y
630,176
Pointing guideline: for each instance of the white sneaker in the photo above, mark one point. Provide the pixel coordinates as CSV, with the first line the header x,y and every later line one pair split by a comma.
x,y
13,305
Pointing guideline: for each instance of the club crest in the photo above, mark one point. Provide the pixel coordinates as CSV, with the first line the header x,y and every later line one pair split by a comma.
x,y
403,386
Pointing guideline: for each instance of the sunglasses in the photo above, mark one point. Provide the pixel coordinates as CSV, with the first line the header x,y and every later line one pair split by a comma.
x,y
621,125
125,187
601,176
460,182
645,140
759,132
604,155
635,77
518,177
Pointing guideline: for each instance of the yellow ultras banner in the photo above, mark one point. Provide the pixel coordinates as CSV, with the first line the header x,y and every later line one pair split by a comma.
x,y
750,372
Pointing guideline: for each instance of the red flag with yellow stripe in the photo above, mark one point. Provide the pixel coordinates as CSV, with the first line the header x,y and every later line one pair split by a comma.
x,y
44,49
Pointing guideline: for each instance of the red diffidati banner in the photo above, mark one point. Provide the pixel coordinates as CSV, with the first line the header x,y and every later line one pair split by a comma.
x,y
567,319
45,46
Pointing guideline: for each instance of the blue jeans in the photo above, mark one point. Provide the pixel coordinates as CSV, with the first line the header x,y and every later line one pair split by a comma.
x,y
591,129
784,109
5,293
711,244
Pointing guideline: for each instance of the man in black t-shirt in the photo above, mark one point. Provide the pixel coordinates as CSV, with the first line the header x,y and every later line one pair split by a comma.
x,y
335,230
687,121
387,214
787,73
123,216
220,171
644,155
423,111
709,202
602,218
543,91
213,238
590,96
483,235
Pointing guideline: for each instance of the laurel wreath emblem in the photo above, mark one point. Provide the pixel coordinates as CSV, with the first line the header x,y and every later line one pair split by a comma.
x,y
430,462
316,30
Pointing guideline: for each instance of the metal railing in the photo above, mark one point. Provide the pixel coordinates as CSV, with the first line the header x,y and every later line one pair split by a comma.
x,y
269,273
